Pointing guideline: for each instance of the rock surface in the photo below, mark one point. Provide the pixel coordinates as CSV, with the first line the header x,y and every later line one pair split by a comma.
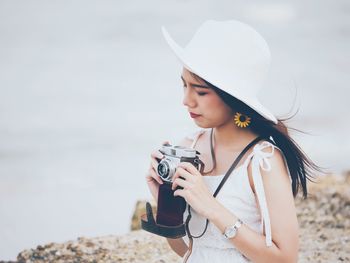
x,y
324,220
136,246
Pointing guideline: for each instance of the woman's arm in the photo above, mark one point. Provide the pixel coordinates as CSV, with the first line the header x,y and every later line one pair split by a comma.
x,y
178,245
284,223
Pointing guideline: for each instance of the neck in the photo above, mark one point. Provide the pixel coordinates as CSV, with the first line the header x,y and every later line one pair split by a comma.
x,y
230,137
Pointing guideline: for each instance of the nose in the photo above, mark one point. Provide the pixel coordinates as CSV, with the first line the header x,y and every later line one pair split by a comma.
x,y
188,99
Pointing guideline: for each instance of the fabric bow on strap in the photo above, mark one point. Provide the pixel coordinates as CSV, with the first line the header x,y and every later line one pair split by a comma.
x,y
260,159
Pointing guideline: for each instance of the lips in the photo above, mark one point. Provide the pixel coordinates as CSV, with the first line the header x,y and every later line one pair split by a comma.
x,y
194,115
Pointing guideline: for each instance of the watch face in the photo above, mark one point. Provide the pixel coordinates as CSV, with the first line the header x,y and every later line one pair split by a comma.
x,y
231,232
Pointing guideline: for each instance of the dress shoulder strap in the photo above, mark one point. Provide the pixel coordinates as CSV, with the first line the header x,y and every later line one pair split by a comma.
x,y
260,159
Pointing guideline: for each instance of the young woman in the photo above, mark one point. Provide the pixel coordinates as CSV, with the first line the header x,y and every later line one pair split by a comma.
x,y
253,217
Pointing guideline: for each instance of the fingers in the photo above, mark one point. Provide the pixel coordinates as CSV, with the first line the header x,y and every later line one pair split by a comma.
x,y
180,192
181,172
152,175
156,154
152,171
182,183
154,164
165,142
189,167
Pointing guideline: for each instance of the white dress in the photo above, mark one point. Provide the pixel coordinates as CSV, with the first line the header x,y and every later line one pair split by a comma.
x,y
237,196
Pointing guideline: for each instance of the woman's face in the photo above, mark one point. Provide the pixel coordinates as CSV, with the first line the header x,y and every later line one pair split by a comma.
x,y
202,100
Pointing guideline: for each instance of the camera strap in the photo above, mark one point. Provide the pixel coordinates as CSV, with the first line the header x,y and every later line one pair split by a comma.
x,y
228,173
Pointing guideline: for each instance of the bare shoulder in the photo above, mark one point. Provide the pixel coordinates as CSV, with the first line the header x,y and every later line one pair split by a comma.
x,y
277,164
279,197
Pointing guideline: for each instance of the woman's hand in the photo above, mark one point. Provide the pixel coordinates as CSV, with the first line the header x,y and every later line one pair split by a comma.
x,y
195,192
152,178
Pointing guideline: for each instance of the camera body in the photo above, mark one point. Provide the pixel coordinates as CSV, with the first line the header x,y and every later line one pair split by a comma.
x,y
173,155
170,209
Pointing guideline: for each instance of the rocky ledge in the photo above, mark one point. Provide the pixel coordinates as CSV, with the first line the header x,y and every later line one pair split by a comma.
x,y
324,220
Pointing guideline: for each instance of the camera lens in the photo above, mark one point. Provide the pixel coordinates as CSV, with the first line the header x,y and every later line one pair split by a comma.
x,y
163,170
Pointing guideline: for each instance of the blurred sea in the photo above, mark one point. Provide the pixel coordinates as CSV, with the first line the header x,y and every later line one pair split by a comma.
x,y
89,88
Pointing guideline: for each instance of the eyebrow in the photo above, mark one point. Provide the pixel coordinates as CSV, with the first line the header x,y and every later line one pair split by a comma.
x,y
196,85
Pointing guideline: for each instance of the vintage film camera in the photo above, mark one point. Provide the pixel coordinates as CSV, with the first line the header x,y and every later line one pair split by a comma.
x,y
173,155
170,208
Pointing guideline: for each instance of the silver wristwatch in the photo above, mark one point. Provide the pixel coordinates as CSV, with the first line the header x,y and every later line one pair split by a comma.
x,y
231,231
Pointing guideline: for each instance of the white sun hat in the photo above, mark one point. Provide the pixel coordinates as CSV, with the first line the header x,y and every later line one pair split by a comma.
x,y
232,56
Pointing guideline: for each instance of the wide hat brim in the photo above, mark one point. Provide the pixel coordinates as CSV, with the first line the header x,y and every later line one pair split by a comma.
x,y
252,101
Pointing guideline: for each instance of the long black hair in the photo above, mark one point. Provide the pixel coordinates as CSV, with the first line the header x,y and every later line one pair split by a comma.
x,y
300,166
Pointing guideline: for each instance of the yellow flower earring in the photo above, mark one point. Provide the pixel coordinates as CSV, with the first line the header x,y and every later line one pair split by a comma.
x,y
241,120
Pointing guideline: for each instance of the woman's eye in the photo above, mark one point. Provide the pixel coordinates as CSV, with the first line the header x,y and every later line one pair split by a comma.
x,y
199,93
